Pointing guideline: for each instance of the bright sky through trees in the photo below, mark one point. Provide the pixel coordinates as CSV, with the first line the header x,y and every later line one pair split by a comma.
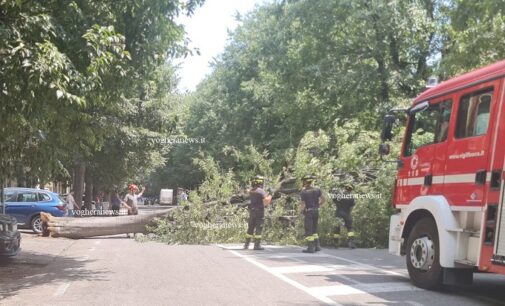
x,y
208,31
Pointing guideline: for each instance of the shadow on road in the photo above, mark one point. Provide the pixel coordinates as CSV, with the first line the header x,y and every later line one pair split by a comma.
x,y
29,270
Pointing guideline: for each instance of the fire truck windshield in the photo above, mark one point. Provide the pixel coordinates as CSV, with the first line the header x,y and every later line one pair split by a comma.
x,y
428,126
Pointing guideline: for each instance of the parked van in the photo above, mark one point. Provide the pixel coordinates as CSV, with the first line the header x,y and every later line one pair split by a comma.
x,y
166,196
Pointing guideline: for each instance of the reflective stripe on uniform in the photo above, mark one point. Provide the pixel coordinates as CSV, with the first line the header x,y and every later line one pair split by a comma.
x,y
257,237
350,234
310,238
336,236
249,236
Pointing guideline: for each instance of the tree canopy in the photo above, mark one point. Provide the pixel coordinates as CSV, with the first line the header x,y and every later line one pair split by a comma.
x,y
87,82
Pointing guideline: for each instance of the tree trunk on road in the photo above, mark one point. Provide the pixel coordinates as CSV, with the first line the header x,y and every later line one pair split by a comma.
x,y
76,228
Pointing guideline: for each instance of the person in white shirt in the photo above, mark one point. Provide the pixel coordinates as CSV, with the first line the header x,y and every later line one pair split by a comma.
x,y
130,201
71,204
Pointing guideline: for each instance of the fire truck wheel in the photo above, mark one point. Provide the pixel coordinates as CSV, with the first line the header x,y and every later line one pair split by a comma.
x,y
423,255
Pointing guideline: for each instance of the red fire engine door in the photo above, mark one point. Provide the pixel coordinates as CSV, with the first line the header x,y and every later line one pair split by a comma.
x,y
424,151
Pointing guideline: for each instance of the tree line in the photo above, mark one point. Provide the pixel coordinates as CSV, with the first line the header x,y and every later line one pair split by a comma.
x,y
86,87
302,87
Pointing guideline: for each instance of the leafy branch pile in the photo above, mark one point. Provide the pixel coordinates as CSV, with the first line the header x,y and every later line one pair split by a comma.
x,y
210,217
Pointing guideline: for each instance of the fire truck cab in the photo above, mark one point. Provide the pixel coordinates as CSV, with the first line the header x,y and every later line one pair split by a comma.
x,y
449,189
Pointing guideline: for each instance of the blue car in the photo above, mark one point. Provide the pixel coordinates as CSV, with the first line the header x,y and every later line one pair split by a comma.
x,y
25,204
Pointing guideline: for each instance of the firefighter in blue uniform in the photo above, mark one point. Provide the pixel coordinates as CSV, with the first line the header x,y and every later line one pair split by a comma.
x,y
259,199
311,199
344,204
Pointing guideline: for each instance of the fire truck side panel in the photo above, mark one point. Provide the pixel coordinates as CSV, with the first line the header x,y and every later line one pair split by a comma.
x,y
457,178
468,155
493,240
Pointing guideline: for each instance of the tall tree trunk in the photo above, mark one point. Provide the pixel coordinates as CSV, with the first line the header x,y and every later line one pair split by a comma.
x,y
88,190
78,183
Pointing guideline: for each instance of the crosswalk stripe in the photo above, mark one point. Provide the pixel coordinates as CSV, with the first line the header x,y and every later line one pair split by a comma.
x,y
363,289
301,269
322,298
323,293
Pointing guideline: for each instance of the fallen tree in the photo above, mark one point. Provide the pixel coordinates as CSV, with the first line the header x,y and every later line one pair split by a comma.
x,y
77,228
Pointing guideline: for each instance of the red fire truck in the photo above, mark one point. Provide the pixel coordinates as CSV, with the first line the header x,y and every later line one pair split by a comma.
x,y
449,189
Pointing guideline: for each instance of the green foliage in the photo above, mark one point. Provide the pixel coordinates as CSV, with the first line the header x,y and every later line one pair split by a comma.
x,y
92,77
208,218
211,219
249,162
474,37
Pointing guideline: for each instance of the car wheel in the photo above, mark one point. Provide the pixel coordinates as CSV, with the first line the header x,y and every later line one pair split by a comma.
x,y
36,224
423,255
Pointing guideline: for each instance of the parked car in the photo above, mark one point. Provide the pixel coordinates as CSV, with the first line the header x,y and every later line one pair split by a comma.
x,y
26,204
10,239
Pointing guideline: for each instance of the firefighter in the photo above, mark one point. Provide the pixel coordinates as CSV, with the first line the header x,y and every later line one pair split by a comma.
x,y
259,199
344,202
311,199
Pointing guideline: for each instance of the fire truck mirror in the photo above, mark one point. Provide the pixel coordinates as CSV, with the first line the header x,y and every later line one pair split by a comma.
x,y
418,108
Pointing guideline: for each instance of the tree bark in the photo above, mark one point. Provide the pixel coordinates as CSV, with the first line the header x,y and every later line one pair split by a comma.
x,y
78,184
88,190
77,228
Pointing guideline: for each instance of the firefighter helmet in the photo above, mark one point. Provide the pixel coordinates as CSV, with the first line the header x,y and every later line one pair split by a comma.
x,y
308,178
258,180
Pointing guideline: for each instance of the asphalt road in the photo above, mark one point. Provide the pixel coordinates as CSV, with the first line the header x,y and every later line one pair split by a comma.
x,y
121,271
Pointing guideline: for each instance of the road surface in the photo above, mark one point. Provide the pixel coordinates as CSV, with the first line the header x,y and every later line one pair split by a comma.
x,y
121,271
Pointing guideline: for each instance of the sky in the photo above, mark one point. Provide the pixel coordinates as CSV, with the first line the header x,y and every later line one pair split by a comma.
x,y
208,29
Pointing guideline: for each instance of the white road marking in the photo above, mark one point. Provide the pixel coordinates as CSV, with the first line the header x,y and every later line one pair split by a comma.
x,y
36,275
301,269
98,242
292,255
83,258
284,278
61,290
323,293
369,267
319,254
339,290
414,303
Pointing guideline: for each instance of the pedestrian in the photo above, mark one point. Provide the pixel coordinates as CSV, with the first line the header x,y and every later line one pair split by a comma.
x,y
131,199
311,199
115,202
99,201
71,204
259,199
184,196
344,202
